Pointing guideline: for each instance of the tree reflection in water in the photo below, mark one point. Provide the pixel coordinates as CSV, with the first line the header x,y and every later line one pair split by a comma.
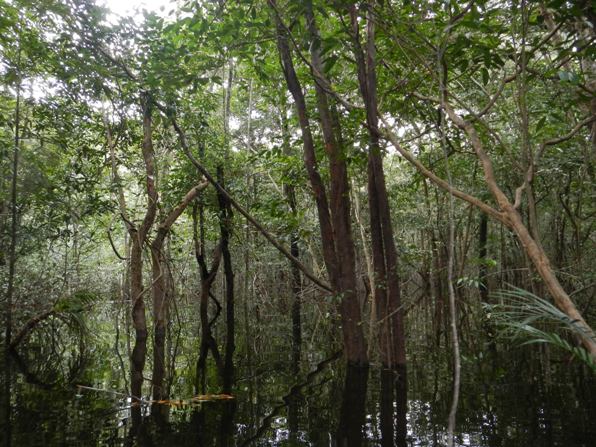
x,y
324,403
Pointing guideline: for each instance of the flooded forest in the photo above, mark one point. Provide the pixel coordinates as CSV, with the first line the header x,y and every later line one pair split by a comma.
x,y
297,222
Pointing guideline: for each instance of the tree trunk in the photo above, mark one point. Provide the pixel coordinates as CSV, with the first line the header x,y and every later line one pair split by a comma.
x,y
159,291
296,281
225,222
225,228
334,216
511,217
310,160
207,341
137,236
387,294
339,192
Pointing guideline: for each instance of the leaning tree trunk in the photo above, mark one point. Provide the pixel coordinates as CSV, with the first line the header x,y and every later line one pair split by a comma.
x,y
507,214
510,216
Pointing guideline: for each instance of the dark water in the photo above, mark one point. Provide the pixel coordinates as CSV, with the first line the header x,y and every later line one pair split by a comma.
x,y
319,402
324,404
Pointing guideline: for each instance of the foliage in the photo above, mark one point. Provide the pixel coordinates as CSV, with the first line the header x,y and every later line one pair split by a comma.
x,y
523,315
81,72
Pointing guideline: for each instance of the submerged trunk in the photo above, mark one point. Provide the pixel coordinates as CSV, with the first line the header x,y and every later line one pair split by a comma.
x,y
207,277
393,406
352,419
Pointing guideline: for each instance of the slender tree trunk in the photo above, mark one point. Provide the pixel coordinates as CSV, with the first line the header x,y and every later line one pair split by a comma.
x,y
248,333
452,305
387,294
158,288
14,212
370,274
159,291
207,278
334,216
129,227
138,235
483,288
225,227
296,280
225,221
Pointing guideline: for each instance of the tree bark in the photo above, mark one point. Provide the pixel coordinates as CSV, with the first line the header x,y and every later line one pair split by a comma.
x,y
533,249
138,236
387,293
159,291
334,215
339,192
225,222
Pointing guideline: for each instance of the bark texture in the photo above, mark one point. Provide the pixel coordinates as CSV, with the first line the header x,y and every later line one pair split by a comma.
x,y
390,315
333,213
138,234
159,290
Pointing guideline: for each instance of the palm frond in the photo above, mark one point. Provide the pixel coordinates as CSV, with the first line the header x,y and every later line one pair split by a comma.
x,y
520,312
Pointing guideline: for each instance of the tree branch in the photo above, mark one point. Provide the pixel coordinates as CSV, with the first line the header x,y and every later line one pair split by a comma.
x,y
389,135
